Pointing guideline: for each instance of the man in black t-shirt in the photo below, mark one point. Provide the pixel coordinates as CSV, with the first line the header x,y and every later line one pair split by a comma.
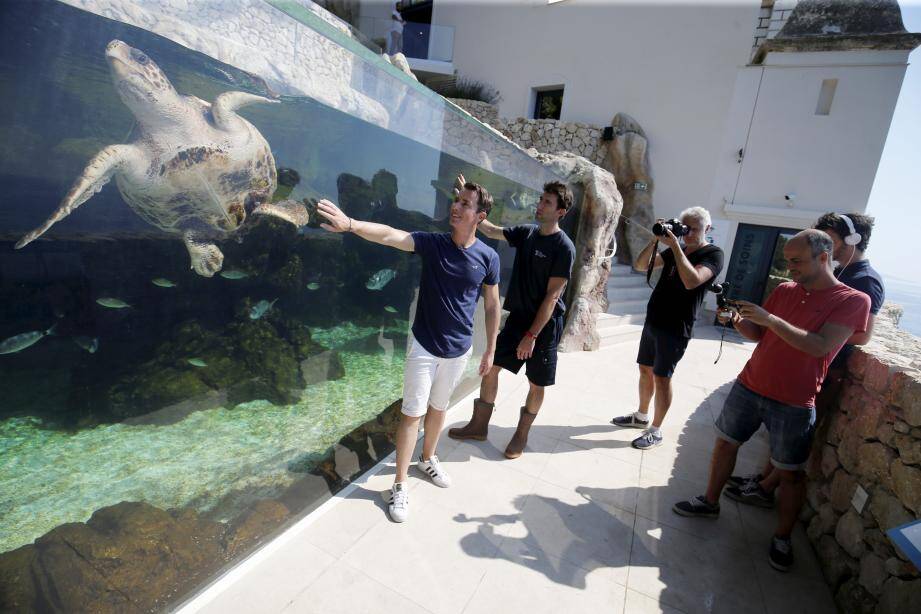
x,y
543,264
670,315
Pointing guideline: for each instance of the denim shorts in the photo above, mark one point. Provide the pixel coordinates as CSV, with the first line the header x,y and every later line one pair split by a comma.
x,y
790,428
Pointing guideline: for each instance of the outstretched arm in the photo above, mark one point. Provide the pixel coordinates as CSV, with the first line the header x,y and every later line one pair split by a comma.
x,y
491,230
369,231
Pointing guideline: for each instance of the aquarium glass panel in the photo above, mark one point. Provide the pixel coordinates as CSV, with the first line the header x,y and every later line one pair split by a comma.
x,y
188,362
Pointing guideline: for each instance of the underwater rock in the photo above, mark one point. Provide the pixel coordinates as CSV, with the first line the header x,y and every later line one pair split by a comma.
x,y
250,527
290,276
248,360
322,367
129,556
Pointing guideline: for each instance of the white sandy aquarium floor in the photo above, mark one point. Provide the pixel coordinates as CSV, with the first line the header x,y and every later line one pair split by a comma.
x,y
580,523
50,477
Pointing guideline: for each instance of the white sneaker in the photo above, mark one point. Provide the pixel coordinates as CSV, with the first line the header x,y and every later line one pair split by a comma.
x,y
399,503
432,468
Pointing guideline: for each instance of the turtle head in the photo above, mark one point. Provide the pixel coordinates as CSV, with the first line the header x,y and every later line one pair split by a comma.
x,y
139,81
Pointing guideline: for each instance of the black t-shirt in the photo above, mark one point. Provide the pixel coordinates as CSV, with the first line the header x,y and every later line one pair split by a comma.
x,y
672,307
537,259
860,276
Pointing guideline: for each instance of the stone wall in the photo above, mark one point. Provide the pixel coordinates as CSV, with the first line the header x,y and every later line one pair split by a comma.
x,y
545,135
872,441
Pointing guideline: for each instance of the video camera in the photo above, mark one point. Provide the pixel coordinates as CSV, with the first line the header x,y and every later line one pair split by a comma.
x,y
674,225
724,305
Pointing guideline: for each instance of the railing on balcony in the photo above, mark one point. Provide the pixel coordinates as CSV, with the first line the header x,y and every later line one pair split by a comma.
x,y
422,41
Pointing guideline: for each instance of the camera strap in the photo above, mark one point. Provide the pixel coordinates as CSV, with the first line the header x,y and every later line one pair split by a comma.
x,y
652,263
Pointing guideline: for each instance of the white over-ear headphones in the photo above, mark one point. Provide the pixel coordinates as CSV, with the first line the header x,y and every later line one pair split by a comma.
x,y
854,238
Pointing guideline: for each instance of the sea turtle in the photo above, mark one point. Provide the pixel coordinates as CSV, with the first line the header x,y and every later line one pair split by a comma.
x,y
197,170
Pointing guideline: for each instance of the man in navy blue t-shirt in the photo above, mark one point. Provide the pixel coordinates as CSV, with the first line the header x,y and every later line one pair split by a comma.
x,y
543,265
456,269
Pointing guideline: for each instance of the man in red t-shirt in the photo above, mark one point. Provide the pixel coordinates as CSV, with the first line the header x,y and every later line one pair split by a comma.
x,y
799,330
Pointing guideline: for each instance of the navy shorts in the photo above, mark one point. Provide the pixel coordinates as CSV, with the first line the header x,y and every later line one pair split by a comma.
x,y
541,366
660,350
791,428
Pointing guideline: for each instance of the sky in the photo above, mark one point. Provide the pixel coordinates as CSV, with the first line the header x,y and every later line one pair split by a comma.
x,y
895,200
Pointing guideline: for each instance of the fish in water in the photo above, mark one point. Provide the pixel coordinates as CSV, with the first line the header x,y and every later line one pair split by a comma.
x,y
197,362
390,309
313,286
19,342
380,279
90,344
162,282
234,274
260,309
112,303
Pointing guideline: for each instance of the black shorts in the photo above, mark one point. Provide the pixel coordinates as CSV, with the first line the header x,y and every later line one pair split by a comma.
x,y
661,350
541,366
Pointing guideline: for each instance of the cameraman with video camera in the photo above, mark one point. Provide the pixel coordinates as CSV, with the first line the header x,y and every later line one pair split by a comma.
x,y
671,312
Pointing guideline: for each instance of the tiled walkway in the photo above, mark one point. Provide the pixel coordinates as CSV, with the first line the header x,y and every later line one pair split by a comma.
x,y
581,523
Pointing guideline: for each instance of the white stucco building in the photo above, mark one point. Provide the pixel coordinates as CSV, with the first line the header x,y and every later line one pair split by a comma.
x,y
766,112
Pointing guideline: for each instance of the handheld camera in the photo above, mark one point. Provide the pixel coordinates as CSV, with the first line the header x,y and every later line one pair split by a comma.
x,y
678,229
725,306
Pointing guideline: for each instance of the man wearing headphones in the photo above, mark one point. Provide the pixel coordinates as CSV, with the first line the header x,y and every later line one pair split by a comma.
x,y
850,235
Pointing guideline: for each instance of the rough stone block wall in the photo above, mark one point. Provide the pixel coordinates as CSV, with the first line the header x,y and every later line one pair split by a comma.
x,y
872,441
545,135
779,14
483,111
762,25
554,136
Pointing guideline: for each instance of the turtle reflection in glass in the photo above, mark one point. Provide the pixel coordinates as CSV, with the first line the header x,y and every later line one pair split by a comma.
x,y
197,170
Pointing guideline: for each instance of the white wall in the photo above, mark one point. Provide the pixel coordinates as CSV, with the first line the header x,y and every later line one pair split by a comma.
x,y
670,66
828,161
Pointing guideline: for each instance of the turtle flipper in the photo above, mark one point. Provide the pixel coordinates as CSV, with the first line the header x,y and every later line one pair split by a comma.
x,y
287,210
225,106
207,259
96,174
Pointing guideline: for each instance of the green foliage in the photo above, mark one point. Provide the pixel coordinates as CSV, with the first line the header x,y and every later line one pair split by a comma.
x,y
470,89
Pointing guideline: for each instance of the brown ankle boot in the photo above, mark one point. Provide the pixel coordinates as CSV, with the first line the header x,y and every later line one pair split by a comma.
x,y
520,438
478,425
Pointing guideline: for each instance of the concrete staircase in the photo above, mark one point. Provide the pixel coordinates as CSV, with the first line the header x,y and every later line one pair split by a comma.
x,y
627,296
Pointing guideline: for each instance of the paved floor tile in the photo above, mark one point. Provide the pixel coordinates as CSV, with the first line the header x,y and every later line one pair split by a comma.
x,y
276,582
690,573
434,559
605,480
346,590
568,525
525,579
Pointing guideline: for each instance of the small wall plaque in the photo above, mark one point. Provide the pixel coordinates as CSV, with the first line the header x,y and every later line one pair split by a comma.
x,y
640,186
859,500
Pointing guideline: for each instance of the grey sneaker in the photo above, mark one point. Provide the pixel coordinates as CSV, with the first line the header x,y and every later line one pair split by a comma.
x,y
630,422
741,480
647,441
697,507
781,553
750,493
